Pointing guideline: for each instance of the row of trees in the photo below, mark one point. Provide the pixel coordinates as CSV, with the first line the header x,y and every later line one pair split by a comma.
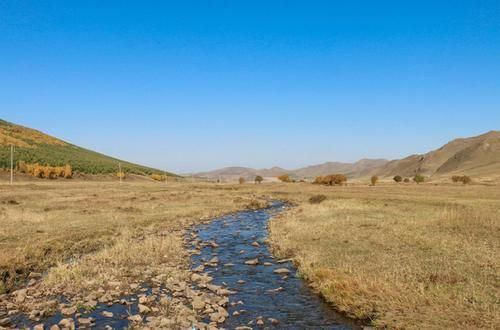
x,y
339,179
331,180
45,171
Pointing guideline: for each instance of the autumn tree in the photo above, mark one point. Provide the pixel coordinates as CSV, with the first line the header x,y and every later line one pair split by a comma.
x,y
158,177
330,180
68,171
374,180
284,178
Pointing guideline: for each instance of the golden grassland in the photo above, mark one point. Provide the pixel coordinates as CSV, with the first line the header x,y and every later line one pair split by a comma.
x,y
398,256
49,224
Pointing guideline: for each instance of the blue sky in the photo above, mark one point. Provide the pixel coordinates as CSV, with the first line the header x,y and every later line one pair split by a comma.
x,y
195,85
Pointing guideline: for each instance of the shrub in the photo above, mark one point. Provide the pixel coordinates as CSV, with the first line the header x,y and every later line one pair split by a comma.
x,y
374,180
121,175
68,171
461,178
49,172
317,199
406,180
418,178
330,180
258,179
241,180
466,179
37,171
398,178
285,178
158,177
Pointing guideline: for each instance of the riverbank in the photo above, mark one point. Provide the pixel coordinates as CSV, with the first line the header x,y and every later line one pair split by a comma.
x,y
72,246
420,257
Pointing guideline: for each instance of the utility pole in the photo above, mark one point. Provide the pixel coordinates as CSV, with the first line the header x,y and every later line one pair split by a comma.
x,y
11,164
120,171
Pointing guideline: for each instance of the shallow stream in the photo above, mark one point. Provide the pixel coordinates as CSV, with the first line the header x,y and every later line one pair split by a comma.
x,y
264,293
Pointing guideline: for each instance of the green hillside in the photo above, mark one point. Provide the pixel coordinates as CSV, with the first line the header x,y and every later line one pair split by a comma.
x,y
32,146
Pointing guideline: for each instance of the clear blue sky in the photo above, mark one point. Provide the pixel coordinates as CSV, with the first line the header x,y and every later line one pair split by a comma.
x,y
195,85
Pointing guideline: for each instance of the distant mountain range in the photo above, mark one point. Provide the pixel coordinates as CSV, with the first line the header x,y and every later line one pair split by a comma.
x,y
475,156
360,168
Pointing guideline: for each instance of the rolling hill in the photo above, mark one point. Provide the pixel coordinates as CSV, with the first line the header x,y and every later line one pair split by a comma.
x,y
32,146
352,170
477,156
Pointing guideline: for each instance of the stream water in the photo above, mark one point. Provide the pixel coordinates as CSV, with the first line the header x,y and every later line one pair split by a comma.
x,y
281,301
264,293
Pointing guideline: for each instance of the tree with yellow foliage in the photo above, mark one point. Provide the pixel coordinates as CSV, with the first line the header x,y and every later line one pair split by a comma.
x,y
68,171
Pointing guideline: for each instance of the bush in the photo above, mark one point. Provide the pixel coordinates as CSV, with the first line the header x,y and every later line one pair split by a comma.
x,y
330,180
461,178
398,178
121,175
466,179
317,199
418,178
374,180
285,178
406,180
241,180
47,171
258,179
68,172
158,177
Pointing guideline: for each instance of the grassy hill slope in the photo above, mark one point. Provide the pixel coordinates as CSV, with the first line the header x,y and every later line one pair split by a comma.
x,y
478,156
33,146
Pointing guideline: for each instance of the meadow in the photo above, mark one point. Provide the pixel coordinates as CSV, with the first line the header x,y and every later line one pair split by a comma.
x,y
392,255
399,256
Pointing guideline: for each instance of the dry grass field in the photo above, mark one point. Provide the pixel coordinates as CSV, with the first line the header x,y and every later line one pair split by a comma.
x,y
397,256
400,256
49,224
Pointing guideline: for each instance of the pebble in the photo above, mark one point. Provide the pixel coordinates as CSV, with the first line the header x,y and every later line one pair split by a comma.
x,y
143,309
252,262
4,322
135,318
281,271
68,311
84,321
107,314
